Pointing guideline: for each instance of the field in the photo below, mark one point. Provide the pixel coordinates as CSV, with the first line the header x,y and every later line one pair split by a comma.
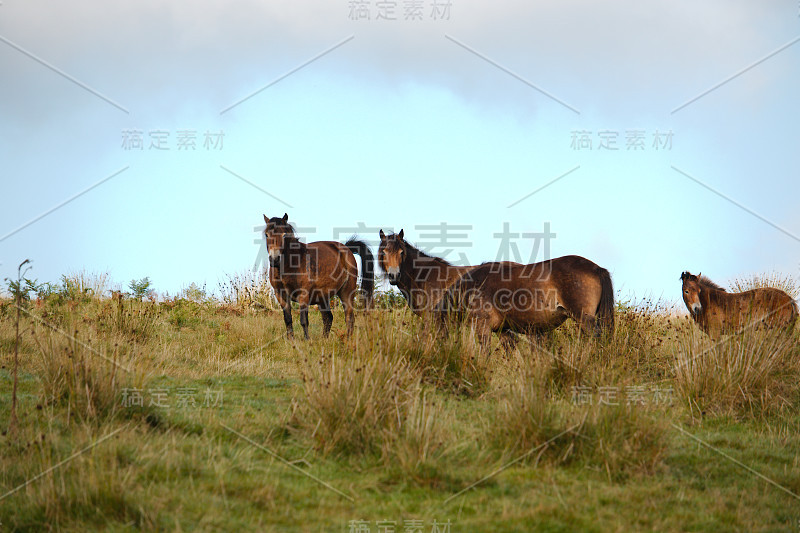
x,y
196,413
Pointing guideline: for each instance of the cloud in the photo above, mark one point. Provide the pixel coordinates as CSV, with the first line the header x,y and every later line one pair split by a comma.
x,y
151,53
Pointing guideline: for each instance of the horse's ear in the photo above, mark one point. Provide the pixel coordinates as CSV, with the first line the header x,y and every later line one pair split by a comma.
x,y
383,235
266,219
285,218
400,234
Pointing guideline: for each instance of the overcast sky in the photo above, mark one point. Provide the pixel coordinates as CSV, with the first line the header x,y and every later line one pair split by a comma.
x,y
180,125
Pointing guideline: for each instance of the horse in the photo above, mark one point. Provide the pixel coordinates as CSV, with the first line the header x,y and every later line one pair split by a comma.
x,y
422,279
506,297
311,274
719,312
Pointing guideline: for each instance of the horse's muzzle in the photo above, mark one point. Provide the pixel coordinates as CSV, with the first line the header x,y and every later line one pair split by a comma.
x,y
393,274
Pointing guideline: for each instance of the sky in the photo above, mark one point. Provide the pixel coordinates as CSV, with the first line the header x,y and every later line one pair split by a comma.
x,y
148,138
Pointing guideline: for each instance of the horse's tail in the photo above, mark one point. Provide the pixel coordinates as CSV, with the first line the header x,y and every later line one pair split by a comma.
x,y
605,309
792,313
357,246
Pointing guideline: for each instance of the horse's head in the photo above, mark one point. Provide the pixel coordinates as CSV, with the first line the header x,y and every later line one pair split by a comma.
x,y
691,292
391,254
278,229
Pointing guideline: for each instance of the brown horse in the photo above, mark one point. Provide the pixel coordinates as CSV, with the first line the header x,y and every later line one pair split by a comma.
x,y
719,312
531,299
311,274
421,278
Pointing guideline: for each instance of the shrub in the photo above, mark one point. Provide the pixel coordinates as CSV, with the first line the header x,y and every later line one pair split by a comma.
x,y
141,288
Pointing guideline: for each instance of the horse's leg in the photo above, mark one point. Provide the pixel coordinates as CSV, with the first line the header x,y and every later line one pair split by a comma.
x,y
287,319
508,340
346,295
483,330
485,320
582,304
286,303
441,326
349,314
327,317
484,335
536,339
302,300
587,322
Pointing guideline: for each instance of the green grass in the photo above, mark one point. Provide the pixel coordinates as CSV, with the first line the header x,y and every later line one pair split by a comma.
x,y
396,421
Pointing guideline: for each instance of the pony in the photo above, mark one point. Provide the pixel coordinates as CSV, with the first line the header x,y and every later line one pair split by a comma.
x,y
719,312
506,297
422,279
311,274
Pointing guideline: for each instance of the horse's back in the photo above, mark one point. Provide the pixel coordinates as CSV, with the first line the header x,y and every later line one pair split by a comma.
x,y
334,263
768,305
781,308
327,250
534,297
510,272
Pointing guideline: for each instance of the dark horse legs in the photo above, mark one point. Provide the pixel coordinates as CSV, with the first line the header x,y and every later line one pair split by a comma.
x,y
325,310
304,320
287,319
508,340
327,318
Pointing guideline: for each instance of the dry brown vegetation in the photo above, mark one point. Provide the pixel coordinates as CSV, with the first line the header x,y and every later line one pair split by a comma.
x,y
393,414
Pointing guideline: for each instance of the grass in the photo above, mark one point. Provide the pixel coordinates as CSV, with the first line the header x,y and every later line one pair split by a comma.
x,y
568,432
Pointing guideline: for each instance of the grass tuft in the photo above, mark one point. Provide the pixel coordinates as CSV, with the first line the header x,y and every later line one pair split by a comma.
x,y
750,375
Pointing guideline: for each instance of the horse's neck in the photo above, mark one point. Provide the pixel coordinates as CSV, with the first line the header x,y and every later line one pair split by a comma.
x,y
294,248
713,297
716,296
418,269
408,270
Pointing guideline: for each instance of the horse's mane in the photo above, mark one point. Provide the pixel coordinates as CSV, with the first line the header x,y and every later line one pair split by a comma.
x,y
289,229
708,284
420,253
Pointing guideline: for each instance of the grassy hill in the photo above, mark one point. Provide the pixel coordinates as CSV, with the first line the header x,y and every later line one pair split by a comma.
x,y
197,414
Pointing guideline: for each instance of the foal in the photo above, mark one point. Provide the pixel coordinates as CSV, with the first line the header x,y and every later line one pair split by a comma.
x,y
719,312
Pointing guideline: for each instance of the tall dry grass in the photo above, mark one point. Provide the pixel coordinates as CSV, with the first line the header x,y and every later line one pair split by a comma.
x,y
422,445
535,415
755,373
351,405
776,280
86,377
453,363
247,290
